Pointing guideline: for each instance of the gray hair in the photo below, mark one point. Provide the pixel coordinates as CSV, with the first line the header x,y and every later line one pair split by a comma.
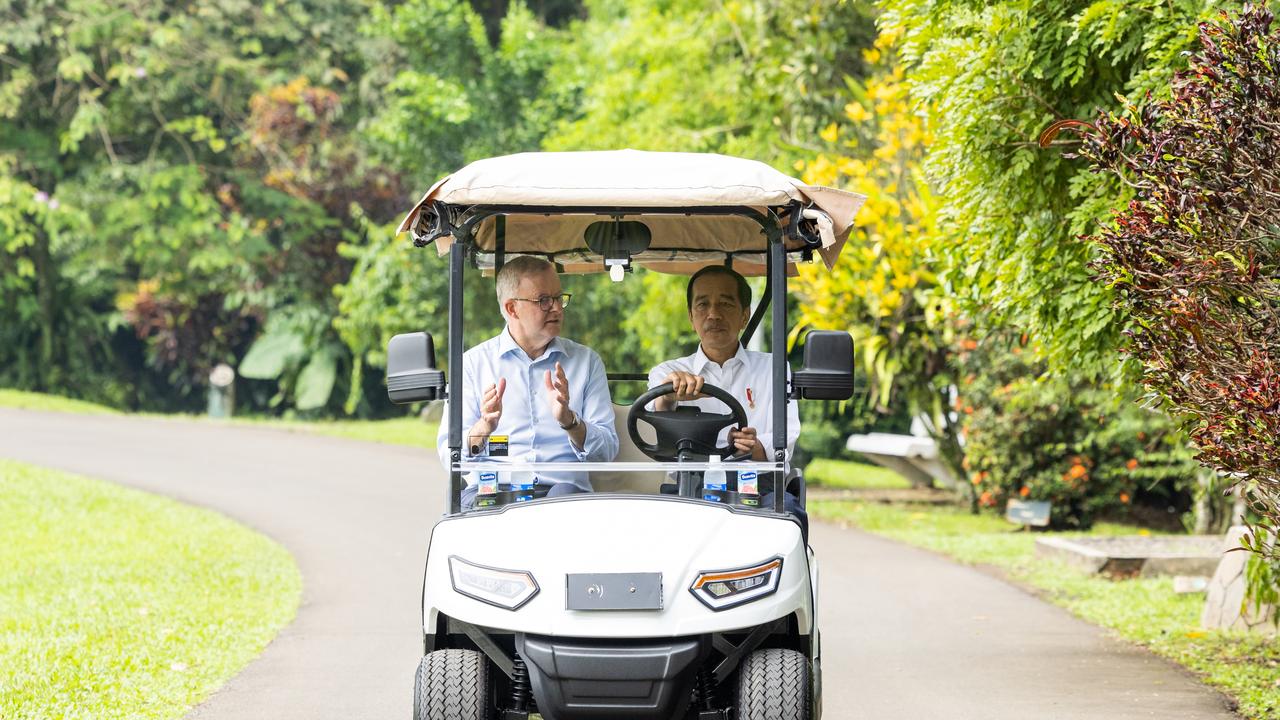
x,y
513,270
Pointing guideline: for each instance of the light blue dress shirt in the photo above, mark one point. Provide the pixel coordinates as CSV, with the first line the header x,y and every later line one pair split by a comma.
x,y
533,434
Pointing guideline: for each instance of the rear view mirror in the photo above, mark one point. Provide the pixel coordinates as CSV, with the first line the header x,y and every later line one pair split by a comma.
x,y
616,241
827,373
411,369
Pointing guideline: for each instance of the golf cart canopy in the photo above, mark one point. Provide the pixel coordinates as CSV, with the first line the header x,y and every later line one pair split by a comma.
x,y
698,209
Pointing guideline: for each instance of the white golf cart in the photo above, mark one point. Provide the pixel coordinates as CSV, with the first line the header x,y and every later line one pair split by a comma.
x,y
635,601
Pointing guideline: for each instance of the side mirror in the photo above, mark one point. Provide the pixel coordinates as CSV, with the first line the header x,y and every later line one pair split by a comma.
x,y
827,373
411,369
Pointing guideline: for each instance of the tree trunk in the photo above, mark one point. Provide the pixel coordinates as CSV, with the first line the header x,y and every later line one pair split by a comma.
x,y
1204,501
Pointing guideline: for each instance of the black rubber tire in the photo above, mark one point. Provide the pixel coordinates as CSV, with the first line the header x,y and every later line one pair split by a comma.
x,y
775,684
452,685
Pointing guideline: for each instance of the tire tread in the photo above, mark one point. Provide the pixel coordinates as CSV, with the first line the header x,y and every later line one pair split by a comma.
x,y
774,684
452,685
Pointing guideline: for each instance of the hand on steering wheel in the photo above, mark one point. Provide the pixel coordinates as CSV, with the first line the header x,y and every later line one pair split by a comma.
x,y
686,428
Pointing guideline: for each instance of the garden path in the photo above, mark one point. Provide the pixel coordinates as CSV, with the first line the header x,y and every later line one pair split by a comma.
x,y
906,634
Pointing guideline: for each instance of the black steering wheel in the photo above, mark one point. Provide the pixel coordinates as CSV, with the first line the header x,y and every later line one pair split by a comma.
x,y
685,429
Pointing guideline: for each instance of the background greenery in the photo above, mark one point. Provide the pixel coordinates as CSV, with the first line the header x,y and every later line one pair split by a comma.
x,y
183,185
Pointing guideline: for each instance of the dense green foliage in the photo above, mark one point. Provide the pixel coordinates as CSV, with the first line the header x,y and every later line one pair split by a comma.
x,y
171,176
991,76
186,186
99,620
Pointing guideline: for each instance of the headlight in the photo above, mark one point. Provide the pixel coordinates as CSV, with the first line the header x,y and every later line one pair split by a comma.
x,y
505,588
720,589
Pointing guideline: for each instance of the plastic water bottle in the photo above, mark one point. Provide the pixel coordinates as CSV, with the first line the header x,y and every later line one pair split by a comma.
x,y
487,489
522,482
713,480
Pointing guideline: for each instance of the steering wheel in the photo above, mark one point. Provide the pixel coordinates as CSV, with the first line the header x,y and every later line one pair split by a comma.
x,y
686,428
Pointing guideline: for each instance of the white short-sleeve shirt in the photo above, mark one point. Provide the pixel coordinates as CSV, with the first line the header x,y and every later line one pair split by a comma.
x,y
748,376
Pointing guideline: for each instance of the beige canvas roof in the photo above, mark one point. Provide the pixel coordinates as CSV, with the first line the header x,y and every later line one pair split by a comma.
x,y
632,178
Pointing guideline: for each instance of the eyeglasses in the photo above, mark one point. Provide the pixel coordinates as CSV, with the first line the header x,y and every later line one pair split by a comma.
x,y
546,301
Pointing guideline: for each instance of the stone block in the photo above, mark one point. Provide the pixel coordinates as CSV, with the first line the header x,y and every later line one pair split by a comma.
x,y
1223,605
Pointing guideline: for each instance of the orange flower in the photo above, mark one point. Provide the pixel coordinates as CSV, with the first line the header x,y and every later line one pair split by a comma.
x,y
969,344
968,409
986,500
1025,491
1077,471
975,478
1132,464
1124,497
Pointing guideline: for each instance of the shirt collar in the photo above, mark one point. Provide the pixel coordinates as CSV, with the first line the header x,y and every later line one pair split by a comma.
x,y
700,359
507,343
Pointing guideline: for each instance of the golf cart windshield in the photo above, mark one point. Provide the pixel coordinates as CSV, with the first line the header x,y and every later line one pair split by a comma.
x,y
590,212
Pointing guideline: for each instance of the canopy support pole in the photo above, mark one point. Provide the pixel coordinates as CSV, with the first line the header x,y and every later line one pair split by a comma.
x,y
777,271
763,305
456,254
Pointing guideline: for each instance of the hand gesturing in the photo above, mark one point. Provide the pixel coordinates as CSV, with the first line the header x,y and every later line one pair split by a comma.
x,y
491,406
558,395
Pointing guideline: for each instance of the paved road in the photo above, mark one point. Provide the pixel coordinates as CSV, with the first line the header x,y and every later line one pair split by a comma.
x,y
905,633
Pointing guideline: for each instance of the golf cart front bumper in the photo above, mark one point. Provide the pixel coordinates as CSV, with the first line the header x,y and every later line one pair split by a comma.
x,y
578,679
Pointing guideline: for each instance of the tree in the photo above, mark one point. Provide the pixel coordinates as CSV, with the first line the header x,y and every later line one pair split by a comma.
x,y
466,99
991,76
884,289
160,240
755,78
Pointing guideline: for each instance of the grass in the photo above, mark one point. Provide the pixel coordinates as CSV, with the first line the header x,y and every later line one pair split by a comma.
x,y
24,400
845,474
1144,611
408,431
119,604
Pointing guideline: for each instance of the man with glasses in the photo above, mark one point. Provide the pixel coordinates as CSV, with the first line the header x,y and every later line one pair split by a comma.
x,y
529,394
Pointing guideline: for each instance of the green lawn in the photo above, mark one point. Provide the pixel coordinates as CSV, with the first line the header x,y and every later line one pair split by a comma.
x,y
397,431
1144,611
37,401
119,604
845,474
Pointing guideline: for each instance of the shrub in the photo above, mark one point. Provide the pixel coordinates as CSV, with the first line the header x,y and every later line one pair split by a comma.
x,y
1090,452
1195,256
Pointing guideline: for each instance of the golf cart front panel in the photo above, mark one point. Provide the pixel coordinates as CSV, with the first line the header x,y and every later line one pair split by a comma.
x,y
556,539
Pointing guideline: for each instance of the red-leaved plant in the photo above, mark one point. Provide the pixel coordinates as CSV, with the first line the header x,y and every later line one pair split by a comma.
x,y
1195,256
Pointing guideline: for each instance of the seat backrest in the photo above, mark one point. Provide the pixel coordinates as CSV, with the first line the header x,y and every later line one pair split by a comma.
x,y
624,482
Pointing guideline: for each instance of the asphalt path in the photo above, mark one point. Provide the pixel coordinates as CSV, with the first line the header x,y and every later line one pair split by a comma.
x,y
906,634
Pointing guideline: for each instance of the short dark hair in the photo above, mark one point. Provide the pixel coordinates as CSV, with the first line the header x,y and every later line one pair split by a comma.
x,y
744,290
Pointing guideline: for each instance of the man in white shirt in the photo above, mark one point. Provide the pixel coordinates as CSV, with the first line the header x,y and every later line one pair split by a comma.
x,y
719,303
529,394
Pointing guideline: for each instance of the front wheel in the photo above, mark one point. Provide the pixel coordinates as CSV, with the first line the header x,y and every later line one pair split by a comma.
x,y
452,685
775,684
